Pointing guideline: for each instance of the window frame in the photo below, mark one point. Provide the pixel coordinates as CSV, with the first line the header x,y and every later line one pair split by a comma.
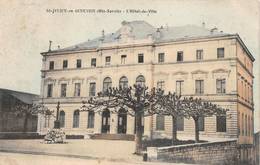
x,y
65,64
161,57
63,92
77,89
93,62
201,86
51,65
140,58
78,63
199,54
49,90
160,122
107,60
123,59
92,93
180,55
221,52
220,86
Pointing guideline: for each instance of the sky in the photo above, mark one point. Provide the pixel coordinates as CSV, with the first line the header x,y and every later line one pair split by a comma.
x,y
26,28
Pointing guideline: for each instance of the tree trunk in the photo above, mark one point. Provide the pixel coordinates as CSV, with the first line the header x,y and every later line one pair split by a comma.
x,y
25,122
138,134
196,120
174,129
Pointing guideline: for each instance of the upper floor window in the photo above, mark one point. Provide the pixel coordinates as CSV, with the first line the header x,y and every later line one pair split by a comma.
x,y
221,85
63,90
221,123
220,52
199,86
199,54
108,60
161,85
179,56
49,90
92,89
140,58
123,59
179,87
107,83
161,57
78,63
51,65
93,62
77,89
160,122
140,80
123,82
65,64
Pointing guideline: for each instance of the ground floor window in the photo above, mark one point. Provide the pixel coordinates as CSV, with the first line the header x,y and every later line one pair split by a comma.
x,y
201,123
180,123
160,122
62,119
221,124
76,119
91,118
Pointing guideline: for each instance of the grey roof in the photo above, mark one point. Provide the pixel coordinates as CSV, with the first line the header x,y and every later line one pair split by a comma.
x,y
142,29
22,96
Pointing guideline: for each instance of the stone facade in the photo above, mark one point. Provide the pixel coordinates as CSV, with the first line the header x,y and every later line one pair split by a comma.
x,y
205,153
192,60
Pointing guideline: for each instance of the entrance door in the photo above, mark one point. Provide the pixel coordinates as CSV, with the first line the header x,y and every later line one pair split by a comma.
x,y
122,121
105,121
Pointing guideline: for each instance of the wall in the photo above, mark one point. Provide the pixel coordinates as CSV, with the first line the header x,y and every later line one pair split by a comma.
x,y
208,153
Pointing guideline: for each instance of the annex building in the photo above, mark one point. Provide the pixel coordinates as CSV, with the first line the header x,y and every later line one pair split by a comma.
x,y
190,60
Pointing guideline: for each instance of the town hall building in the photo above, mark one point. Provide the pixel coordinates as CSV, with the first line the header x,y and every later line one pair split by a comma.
x,y
189,60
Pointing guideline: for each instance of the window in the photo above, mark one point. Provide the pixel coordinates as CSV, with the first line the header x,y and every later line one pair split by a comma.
x,y
51,65
49,91
179,56
140,80
220,52
78,63
245,125
63,90
160,122
65,64
92,89
199,54
108,59
47,121
107,83
62,119
199,86
140,58
91,119
180,123
123,82
201,123
179,87
77,89
161,85
123,59
221,85
161,57
76,119
93,62
243,129
221,123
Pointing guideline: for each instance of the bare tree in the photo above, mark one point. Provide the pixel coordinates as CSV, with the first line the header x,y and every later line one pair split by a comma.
x,y
196,108
170,105
134,100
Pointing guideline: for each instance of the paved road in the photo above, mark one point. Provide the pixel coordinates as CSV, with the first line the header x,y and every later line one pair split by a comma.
x,y
28,159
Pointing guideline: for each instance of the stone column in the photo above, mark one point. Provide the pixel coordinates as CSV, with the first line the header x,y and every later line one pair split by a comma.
x,y
130,125
113,123
97,123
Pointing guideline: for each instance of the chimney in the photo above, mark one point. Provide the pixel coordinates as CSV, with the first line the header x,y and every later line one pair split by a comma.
x,y
58,46
158,33
213,30
103,33
50,45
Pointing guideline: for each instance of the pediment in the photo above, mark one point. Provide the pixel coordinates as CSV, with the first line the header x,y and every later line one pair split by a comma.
x,y
91,78
161,74
199,72
49,80
220,71
64,80
180,73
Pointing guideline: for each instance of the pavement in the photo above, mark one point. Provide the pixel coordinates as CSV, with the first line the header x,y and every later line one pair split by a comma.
x,y
85,151
27,159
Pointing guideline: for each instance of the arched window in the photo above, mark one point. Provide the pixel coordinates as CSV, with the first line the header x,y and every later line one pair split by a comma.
x,y
107,83
123,82
91,119
76,119
62,119
140,80
160,122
